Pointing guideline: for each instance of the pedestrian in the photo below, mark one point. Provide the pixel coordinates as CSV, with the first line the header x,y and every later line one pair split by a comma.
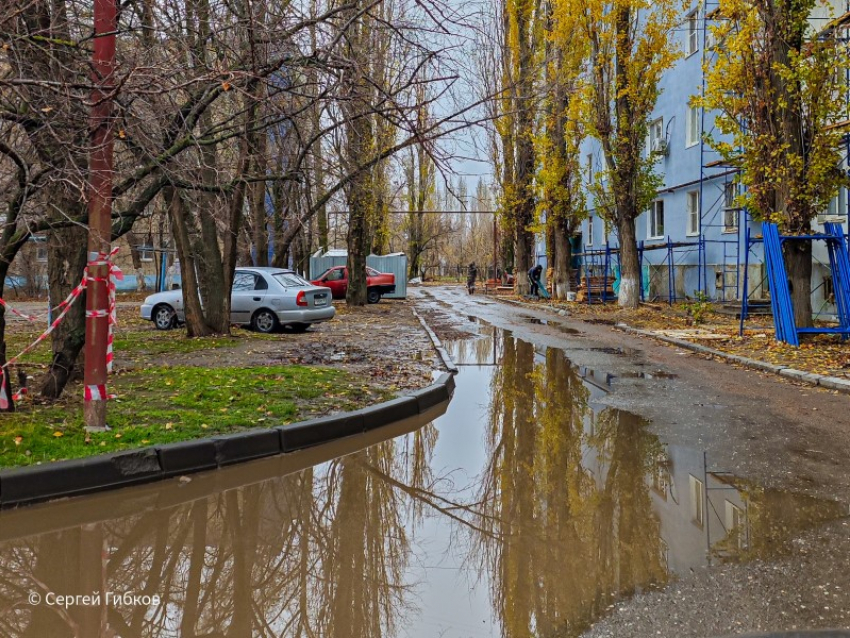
x,y
534,279
471,276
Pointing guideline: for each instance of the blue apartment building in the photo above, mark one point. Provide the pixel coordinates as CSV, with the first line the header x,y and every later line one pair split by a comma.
x,y
694,238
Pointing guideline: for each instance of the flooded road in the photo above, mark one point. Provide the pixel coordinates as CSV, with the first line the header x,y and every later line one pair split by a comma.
x,y
531,508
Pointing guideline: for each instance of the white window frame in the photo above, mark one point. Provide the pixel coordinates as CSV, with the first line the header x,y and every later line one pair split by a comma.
x,y
589,240
41,253
654,132
692,31
692,126
730,209
589,158
693,212
697,500
146,253
652,223
736,522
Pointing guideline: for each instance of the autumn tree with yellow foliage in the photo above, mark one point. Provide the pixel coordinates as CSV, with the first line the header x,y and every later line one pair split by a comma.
x,y
514,112
776,85
561,199
626,48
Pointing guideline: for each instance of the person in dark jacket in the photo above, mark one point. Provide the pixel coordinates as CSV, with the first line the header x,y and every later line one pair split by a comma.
x,y
534,275
471,276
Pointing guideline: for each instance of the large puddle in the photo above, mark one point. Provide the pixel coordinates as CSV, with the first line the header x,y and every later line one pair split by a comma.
x,y
528,509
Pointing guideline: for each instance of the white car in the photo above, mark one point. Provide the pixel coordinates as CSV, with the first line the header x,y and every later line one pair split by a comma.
x,y
263,298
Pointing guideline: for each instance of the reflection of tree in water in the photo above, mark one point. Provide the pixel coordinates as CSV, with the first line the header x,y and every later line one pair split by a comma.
x,y
318,553
567,512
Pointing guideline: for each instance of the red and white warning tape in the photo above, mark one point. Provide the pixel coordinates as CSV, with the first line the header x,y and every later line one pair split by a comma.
x,y
92,393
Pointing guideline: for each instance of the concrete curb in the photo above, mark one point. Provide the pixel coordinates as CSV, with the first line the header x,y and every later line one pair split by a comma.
x,y
438,345
821,380
26,485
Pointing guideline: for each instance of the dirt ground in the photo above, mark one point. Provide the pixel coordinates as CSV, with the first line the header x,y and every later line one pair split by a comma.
x,y
384,344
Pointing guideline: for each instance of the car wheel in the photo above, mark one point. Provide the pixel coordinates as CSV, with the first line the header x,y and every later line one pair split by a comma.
x,y
373,296
164,317
264,321
298,327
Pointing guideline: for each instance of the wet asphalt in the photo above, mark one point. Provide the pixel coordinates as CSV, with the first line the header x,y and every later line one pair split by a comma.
x,y
775,435
780,434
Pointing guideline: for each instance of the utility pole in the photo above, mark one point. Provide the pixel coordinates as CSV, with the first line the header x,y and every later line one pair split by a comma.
x,y
100,214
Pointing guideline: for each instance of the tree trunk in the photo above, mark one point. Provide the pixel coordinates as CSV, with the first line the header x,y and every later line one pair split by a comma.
x,y
259,216
524,251
630,276
562,258
66,262
196,325
358,241
798,264
134,243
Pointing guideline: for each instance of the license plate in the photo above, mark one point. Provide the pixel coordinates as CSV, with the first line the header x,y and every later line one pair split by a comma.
x,y
319,301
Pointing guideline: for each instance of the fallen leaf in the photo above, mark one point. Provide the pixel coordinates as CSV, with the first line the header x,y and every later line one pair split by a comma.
x,y
57,434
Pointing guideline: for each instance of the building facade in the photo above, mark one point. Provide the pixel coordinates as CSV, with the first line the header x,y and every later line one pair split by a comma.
x,y
694,239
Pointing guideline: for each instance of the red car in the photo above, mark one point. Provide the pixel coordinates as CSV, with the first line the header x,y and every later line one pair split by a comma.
x,y
378,284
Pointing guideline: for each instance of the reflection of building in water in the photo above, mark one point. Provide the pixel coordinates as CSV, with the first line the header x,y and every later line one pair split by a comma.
x,y
702,514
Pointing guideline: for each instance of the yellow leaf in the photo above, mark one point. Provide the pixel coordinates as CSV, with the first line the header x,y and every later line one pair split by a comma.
x,y
57,434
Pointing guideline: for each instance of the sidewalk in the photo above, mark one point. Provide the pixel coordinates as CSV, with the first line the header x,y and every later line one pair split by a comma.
x,y
824,361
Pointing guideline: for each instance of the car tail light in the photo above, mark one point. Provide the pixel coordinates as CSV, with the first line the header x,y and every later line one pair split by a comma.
x,y
301,299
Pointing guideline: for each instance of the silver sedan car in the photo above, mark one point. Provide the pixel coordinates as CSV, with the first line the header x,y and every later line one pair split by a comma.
x,y
263,298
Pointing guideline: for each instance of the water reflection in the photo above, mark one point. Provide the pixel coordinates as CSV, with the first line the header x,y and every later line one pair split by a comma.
x,y
558,506
319,553
583,506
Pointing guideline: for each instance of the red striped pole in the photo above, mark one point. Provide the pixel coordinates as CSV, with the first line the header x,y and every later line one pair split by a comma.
x,y
100,213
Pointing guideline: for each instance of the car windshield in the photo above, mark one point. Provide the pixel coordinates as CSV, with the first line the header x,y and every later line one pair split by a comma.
x,y
290,280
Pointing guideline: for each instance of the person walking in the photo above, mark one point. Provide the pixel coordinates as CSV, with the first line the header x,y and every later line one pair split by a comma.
x,y
534,279
471,276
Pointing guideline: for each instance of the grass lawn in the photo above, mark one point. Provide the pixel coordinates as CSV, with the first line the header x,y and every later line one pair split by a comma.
x,y
165,404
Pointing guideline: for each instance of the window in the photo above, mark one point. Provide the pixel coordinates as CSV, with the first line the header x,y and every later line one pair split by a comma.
x,y
589,241
736,525
828,290
290,280
730,207
41,253
590,168
710,37
693,33
337,274
692,206
243,281
697,492
656,219
656,136
837,208
145,253
692,123
661,476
